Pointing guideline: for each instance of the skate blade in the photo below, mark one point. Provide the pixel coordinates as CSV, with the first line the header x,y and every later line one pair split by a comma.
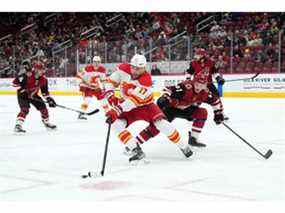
x,y
129,154
139,162
19,133
51,130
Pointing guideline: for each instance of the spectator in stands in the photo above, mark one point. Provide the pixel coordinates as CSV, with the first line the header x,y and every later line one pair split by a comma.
x,y
249,31
155,70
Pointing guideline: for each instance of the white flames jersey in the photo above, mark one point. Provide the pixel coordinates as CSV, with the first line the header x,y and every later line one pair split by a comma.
x,y
135,91
91,74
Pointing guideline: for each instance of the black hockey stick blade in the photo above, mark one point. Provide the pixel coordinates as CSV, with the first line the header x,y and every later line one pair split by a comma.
x,y
268,154
253,77
92,112
91,175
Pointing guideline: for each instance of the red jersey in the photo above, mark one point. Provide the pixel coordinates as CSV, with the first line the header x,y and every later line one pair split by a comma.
x,y
207,67
32,84
188,96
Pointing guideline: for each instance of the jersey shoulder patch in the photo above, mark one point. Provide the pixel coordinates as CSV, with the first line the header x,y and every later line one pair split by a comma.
x,y
89,68
125,68
145,80
101,69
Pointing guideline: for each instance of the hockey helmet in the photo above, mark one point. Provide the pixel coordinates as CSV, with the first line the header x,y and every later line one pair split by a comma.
x,y
200,53
26,65
138,61
96,59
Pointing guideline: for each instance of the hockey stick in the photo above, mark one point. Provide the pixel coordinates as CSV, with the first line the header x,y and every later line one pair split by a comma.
x,y
106,149
242,79
266,155
68,108
90,174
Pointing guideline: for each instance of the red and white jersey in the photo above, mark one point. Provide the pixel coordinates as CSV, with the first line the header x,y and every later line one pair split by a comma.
x,y
136,90
91,75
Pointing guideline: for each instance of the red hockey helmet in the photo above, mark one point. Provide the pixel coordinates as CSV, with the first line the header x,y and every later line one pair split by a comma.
x,y
200,53
38,66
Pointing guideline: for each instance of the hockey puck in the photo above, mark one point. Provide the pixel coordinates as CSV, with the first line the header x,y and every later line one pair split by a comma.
x,y
86,176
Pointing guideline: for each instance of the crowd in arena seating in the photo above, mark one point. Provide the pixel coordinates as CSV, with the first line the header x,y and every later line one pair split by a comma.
x,y
117,36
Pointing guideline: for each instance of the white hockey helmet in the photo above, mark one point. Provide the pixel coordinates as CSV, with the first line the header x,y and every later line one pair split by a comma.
x,y
138,61
97,59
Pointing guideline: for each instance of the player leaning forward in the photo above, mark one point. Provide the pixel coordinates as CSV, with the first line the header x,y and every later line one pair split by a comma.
x,y
28,83
135,84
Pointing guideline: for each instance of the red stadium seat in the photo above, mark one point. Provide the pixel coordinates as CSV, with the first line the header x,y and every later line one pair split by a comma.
x,y
274,69
266,70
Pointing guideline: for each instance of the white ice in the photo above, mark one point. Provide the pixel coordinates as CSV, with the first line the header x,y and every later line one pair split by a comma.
x,y
42,165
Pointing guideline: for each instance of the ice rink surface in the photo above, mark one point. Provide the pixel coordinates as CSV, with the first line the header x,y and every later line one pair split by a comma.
x,y
43,165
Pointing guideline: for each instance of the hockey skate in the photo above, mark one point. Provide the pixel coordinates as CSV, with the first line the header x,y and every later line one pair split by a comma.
x,y
128,151
187,151
50,126
81,117
137,154
18,129
193,142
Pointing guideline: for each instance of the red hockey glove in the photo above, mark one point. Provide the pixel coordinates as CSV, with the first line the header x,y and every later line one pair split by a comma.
x,y
218,116
111,98
113,114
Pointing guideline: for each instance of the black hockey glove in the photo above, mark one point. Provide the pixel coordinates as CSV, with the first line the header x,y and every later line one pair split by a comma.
x,y
177,92
220,80
23,94
163,102
218,117
51,102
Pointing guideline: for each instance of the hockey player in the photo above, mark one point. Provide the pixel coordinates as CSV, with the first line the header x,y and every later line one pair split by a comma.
x,y
203,64
28,83
90,84
135,84
182,101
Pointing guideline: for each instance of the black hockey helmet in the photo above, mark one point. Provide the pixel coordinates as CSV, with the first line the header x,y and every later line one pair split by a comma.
x,y
26,64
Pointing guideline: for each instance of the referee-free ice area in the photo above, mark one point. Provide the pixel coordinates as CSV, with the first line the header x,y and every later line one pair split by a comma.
x,y
44,165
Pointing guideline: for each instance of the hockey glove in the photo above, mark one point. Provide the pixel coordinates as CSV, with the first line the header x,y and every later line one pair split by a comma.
x,y
220,80
177,92
113,114
23,94
163,102
111,98
218,117
51,102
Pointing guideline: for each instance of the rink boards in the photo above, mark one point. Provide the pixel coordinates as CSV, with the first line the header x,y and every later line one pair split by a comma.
x,y
263,86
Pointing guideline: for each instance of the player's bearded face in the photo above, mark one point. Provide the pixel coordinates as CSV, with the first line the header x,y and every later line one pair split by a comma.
x,y
39,73
96,63
137,71
198,57
198,87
